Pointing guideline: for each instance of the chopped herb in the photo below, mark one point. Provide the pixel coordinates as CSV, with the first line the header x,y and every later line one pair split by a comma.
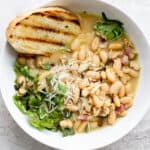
x,y
46,66
109,29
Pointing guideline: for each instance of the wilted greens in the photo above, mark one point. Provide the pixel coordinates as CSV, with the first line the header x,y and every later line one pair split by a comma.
x,y
44,108
108,29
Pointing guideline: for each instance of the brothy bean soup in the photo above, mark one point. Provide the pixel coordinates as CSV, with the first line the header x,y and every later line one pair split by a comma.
x,y
85,85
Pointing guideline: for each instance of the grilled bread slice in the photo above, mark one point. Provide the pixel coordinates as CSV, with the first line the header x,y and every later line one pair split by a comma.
x,y
43,31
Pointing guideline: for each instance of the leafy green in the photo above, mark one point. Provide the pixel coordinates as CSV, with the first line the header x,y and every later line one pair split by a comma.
x,y
22,69
34,120
108,28
62,89
42,112
44,108
46,66
67,131
25,71
19,104
47,123
34,102
59,100
48,79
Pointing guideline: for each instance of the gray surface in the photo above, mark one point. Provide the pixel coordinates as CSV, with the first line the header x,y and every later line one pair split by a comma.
x,y
13,138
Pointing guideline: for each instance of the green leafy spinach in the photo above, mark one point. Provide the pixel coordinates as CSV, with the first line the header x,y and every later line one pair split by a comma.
x,y
108,29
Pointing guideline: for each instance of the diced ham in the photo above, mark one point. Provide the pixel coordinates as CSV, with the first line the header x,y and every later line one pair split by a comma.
x,y
119,109
124,59
127,50
125,55
83,117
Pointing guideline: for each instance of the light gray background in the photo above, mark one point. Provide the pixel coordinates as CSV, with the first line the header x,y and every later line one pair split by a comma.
x,y
13,138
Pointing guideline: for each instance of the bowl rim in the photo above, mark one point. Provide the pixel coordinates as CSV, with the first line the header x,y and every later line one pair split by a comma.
x,y
108,142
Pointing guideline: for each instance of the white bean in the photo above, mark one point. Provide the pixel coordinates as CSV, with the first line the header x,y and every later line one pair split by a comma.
x,y
75,55
96,61
82,52
115,87
134,65
103,75
112,117
116,101
72,108
104,87
130,71
84,83
115,46
114,54
103,56
66,123
122,91
97,102
75,44
95,44
125,78
85,92
126,100
117,66
128,88
111,76
83,67
21,80
22,91
93,75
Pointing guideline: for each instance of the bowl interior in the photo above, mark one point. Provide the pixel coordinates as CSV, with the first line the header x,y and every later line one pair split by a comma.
x,y
105,135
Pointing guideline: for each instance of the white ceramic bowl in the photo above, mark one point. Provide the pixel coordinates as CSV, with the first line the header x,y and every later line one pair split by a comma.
x,y
101,137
